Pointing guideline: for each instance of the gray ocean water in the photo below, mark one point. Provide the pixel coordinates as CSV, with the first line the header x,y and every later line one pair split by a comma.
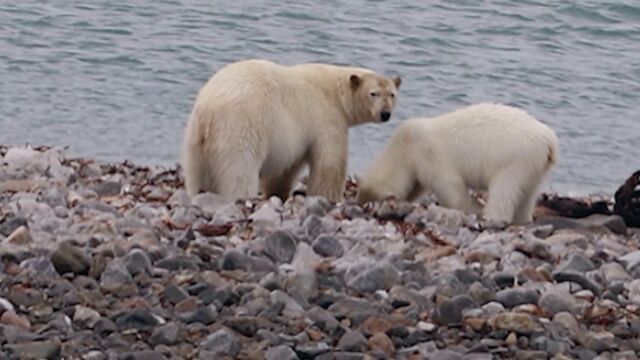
x,y
116,80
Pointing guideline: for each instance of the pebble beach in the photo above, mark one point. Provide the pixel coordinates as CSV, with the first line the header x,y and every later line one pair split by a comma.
x,y
114,261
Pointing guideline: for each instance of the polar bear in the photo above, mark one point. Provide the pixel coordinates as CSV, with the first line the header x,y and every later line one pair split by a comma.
x,y
255,124
485,147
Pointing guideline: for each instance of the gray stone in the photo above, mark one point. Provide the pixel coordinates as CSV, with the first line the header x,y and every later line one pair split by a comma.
x,y
480,293
137,262
377,277
556,301
166,334
323,319
577,262
446,355
143,355
579,279
517,296
174,294
312,350
327,246
115,275
86,317
36,350
598,341
280,246
11,224
352,341
221,342
281,352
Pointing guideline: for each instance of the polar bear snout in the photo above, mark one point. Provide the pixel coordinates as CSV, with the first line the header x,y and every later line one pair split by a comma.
x,y
385,115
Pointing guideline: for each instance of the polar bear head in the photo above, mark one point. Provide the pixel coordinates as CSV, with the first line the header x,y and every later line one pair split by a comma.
x,y
374,96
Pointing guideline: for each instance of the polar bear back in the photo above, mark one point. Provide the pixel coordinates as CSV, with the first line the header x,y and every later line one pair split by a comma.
x,y
479,140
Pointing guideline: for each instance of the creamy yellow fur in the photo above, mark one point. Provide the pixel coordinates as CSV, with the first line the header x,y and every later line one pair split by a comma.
x,y
255,124
486,147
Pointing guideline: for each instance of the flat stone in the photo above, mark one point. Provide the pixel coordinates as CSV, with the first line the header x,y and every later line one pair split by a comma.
x,y
221,342
352,341
36,350
280,246
328,246
166,334
518,296
554,302
378,277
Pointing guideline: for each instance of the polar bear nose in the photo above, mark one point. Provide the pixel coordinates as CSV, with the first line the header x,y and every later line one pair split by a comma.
x,y
385,115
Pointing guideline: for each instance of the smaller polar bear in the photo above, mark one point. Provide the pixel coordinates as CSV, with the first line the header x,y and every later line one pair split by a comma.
x,y
255,124
485,147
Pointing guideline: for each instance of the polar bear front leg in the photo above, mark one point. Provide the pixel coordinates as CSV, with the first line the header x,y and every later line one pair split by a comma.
x,y
452,192
328,166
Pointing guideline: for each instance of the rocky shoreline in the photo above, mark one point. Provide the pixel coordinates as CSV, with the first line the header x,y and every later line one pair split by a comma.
x,y
114,261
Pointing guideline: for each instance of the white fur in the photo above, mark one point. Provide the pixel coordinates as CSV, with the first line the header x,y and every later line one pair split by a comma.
x,y
485,147
255,124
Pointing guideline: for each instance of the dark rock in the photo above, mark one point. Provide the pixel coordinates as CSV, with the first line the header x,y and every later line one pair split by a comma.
x,y
323,319
139,319
578,262
627,200
281,352
40,265
554,302
115,275
166,334
143,355
572,208
578,279
13,334
340,355
466,276
105,326
221,342
517,296
205,315
174,294
179,263
280,246
314,226
480,294
222,296
352,341
36,350
137,262
327,246
446,355
235,260
11,224
312,350
246,325
449,312
377,277
107,188
70,259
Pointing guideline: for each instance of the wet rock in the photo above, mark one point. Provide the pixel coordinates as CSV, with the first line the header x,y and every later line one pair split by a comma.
x,y
166,334
221,342
281,352
518,296
280,246
352,341
327,246
377,277
70,259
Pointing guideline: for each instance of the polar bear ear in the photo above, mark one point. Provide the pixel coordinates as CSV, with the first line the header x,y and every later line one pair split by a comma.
x,y
397,81
355,81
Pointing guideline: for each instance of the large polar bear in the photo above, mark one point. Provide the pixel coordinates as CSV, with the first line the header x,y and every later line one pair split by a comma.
x,y
255,124
485,147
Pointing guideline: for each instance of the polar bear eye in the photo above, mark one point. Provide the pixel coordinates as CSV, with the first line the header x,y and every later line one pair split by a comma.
x,y
373,94
393,95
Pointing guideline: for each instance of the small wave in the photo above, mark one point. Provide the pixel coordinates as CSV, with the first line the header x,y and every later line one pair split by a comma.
x,y
582,12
